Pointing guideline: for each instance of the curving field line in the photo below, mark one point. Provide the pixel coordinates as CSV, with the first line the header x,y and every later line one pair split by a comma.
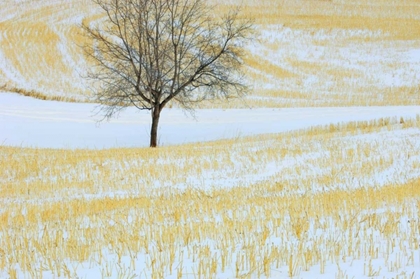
x,y
320,52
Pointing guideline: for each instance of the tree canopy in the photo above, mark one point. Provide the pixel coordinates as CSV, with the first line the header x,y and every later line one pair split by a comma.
x,y
147,53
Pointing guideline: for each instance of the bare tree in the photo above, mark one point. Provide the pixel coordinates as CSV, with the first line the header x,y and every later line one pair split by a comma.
x,y
147,53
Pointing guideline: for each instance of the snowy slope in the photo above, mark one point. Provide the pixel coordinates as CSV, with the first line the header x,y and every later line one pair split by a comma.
x,y
35,123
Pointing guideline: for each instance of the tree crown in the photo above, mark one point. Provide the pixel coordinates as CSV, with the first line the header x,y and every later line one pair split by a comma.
x,y
147,53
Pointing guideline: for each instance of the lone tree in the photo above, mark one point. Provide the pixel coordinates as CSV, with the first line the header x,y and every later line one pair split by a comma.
x,y
147,53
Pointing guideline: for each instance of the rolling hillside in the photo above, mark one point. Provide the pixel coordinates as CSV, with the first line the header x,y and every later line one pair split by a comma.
x,y
308,53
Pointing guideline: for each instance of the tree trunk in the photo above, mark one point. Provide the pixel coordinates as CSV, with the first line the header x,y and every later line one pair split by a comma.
x,y
155,123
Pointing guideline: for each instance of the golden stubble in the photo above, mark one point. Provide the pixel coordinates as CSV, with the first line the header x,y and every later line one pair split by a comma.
x,y
40,41
194,210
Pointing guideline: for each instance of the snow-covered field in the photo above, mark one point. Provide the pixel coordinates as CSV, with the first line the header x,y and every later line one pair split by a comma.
x,y
316,174
308,53
29,122
267,200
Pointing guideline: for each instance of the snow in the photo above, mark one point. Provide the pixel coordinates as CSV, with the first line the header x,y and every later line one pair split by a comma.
x,y
373,62
48,124
30,122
